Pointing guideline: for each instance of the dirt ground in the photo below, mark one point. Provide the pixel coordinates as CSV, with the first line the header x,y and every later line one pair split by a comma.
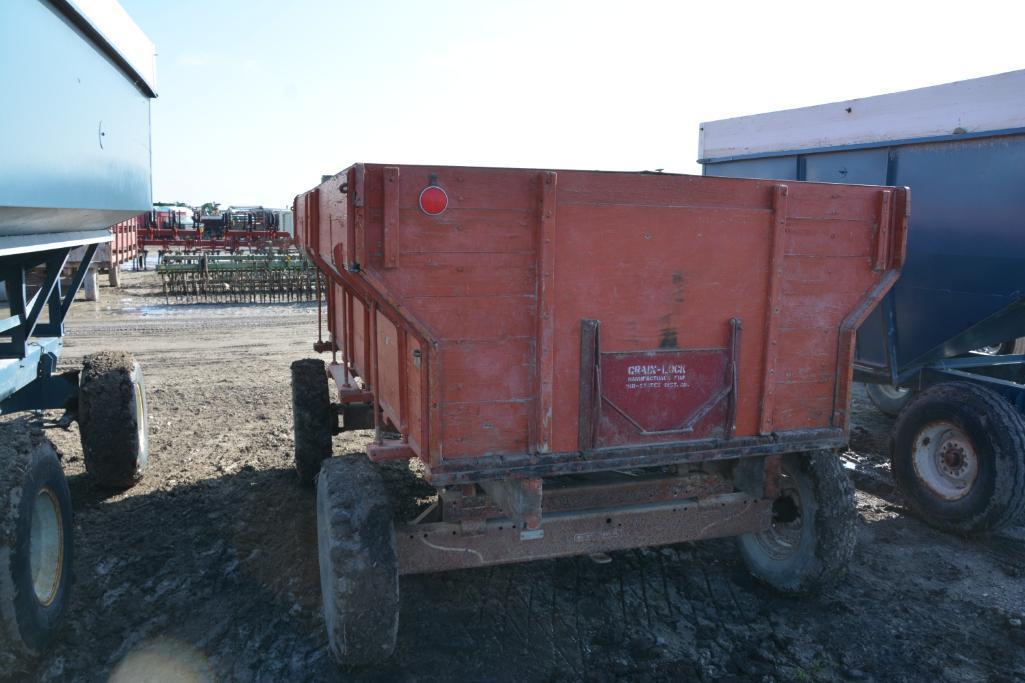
x,y
207,569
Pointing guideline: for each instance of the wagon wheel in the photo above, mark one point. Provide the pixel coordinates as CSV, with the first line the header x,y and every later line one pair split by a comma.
x,y
1014,346
888,399
36,546
313,418
113,418
359,577
813,530
956,453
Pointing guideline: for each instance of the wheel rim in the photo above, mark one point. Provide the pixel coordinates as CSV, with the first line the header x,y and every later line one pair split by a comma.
x,y
46,546
892,392
781,540
945,460
140,416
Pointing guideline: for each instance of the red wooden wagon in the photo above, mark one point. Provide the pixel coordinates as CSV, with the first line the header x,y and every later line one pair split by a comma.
x,y
583,362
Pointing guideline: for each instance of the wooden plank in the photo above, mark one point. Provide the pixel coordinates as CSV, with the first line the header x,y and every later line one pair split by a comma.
x,y
545,310
390,234
825,237
464,274
359,255
387,369
400,362
469,230
803,405
483,370
774,307
882,242
415,401
589,355
481,429
476,317
810,354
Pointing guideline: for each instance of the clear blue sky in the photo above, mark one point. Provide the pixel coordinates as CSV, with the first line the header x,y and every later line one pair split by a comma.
x,y
259,98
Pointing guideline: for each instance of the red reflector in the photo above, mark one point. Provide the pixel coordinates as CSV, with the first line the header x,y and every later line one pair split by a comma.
x,y
433,200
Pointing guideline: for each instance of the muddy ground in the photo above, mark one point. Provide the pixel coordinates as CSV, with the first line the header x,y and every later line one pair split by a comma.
x,y
208,567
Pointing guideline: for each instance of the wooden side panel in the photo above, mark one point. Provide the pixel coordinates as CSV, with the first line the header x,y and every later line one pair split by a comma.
x,y
388,372
830,265
481,429
634,269
416,378
470,275
334,219
662,262
477,371
359,339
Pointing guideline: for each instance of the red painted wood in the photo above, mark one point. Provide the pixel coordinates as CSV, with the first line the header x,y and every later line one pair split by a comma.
x,y
882,244
391,231
662,261
774,307
543,343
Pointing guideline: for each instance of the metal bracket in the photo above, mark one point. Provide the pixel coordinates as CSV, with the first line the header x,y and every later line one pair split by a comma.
x,y
520,499
23,322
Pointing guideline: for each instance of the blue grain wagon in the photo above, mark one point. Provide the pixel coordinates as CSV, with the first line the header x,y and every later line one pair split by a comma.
x,y
943,348
77,80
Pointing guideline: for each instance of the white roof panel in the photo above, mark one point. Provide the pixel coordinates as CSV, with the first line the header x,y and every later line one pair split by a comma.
x,y
111,21
979,105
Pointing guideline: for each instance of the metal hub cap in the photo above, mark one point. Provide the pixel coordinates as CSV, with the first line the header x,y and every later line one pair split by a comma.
x,y
46,547
783,538
945,460
140,416
892,392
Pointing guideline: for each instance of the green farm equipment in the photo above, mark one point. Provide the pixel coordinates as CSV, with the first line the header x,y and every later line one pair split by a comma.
x,y
281,276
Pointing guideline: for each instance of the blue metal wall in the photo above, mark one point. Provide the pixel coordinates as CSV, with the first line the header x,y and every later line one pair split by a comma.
x,y
966,242
74,130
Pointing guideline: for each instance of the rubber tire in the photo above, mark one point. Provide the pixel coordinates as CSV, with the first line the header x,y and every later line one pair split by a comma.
x,y
115,436
997,431
1014,347
827,544
312,418
28,463
359,575
886,404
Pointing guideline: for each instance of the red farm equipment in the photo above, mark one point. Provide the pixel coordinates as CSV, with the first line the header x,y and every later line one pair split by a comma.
x,y
235,230
581,362
111,256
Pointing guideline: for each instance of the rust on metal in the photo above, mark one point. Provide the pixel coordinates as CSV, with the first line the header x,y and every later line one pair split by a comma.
x,y
770,477
441,546
644,455
464,504
519,499
613,489
379,452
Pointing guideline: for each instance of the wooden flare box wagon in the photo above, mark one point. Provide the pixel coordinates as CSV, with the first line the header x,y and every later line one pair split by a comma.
x,y
582,362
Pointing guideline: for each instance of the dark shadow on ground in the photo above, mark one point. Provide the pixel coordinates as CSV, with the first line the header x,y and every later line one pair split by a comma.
x,y
222,576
